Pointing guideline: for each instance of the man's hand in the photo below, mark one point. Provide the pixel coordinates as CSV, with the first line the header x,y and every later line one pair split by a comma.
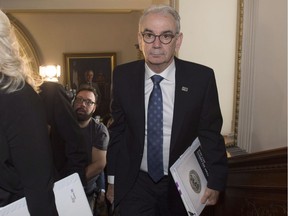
x,y
210,197
110,193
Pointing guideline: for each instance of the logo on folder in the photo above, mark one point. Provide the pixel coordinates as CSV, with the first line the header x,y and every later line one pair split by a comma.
x,y
195,181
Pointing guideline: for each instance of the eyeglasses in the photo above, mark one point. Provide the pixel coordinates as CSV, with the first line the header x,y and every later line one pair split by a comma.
x,y
164,38
80,100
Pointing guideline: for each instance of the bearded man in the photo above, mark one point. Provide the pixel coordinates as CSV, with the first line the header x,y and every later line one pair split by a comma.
x,y
96,138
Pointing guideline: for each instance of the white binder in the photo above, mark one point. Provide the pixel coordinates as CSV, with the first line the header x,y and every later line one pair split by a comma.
x,y
190,175
70,200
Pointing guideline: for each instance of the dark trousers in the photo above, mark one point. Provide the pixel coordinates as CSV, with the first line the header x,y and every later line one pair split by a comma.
x,y
147,198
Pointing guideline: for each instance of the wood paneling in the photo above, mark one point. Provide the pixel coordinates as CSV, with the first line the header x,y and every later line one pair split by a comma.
x,y
256,186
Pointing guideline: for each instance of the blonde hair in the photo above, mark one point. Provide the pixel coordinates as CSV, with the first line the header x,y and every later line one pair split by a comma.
x,y
14,68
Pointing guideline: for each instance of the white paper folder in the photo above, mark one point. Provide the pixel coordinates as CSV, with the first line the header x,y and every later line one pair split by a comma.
x,y
69,196
190,175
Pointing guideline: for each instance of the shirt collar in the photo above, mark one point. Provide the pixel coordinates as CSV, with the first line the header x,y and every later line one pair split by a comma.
x,y
168,74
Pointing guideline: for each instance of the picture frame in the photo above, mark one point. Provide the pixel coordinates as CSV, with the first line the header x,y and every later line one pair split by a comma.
x,y
76,65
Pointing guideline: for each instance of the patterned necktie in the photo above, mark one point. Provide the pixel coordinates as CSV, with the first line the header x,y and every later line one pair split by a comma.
x,y
155,131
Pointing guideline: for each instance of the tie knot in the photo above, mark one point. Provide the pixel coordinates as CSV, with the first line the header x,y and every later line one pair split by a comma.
x,y
156,79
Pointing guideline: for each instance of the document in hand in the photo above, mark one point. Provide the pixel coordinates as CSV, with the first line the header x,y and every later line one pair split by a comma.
x,y
190,175
70,200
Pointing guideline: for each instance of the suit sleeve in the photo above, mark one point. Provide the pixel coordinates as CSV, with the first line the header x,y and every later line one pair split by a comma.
x,y
68,128
211,140
116,128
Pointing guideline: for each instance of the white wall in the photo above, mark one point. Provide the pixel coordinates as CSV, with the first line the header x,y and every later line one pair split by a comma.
x,y
58,33
209,29
263,102
270,110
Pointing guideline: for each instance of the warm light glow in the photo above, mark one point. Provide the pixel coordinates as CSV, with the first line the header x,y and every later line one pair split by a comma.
x,y
50,72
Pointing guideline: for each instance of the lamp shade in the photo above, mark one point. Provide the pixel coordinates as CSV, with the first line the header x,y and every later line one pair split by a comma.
x,y
50,72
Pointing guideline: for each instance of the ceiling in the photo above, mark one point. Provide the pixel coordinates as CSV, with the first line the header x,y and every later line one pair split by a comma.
x,y
76,5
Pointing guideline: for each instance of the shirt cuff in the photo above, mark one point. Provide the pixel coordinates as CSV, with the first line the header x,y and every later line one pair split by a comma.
x,y
110,179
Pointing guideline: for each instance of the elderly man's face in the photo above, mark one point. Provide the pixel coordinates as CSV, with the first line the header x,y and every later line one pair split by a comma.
x,y
89,76
158,55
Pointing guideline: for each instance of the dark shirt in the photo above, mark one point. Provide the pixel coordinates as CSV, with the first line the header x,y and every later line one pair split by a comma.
x,y
96,135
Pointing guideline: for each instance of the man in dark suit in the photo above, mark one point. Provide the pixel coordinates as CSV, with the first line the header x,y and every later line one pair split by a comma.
x,y
190,109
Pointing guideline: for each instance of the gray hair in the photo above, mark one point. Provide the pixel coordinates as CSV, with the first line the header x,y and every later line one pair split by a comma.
x,y
14,68
164,9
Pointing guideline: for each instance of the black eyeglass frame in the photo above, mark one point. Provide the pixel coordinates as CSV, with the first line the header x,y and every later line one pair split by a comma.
x,y
159,36
87,102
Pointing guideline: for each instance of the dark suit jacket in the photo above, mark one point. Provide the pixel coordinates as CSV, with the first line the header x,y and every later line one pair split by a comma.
x,y
26,167
196,114
68,144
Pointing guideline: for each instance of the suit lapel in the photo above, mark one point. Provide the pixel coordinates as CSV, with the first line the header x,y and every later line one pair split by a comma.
x,y
181,91
140,101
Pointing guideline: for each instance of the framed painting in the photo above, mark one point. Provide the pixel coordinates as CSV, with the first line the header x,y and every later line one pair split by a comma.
x,y
94,69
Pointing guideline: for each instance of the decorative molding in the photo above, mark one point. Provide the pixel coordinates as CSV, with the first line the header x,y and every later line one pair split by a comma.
x,y
175,4
240,14
27,47
87,11
246,97
259,168
254,208
161,1
263,158
32,5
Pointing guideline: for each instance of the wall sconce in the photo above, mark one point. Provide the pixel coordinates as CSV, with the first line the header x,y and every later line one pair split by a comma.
x,y
50,72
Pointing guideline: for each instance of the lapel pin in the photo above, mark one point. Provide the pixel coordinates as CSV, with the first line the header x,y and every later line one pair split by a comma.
x,y
185,89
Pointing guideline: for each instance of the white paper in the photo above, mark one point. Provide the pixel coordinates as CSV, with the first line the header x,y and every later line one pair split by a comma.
x,y
70,200
190,179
